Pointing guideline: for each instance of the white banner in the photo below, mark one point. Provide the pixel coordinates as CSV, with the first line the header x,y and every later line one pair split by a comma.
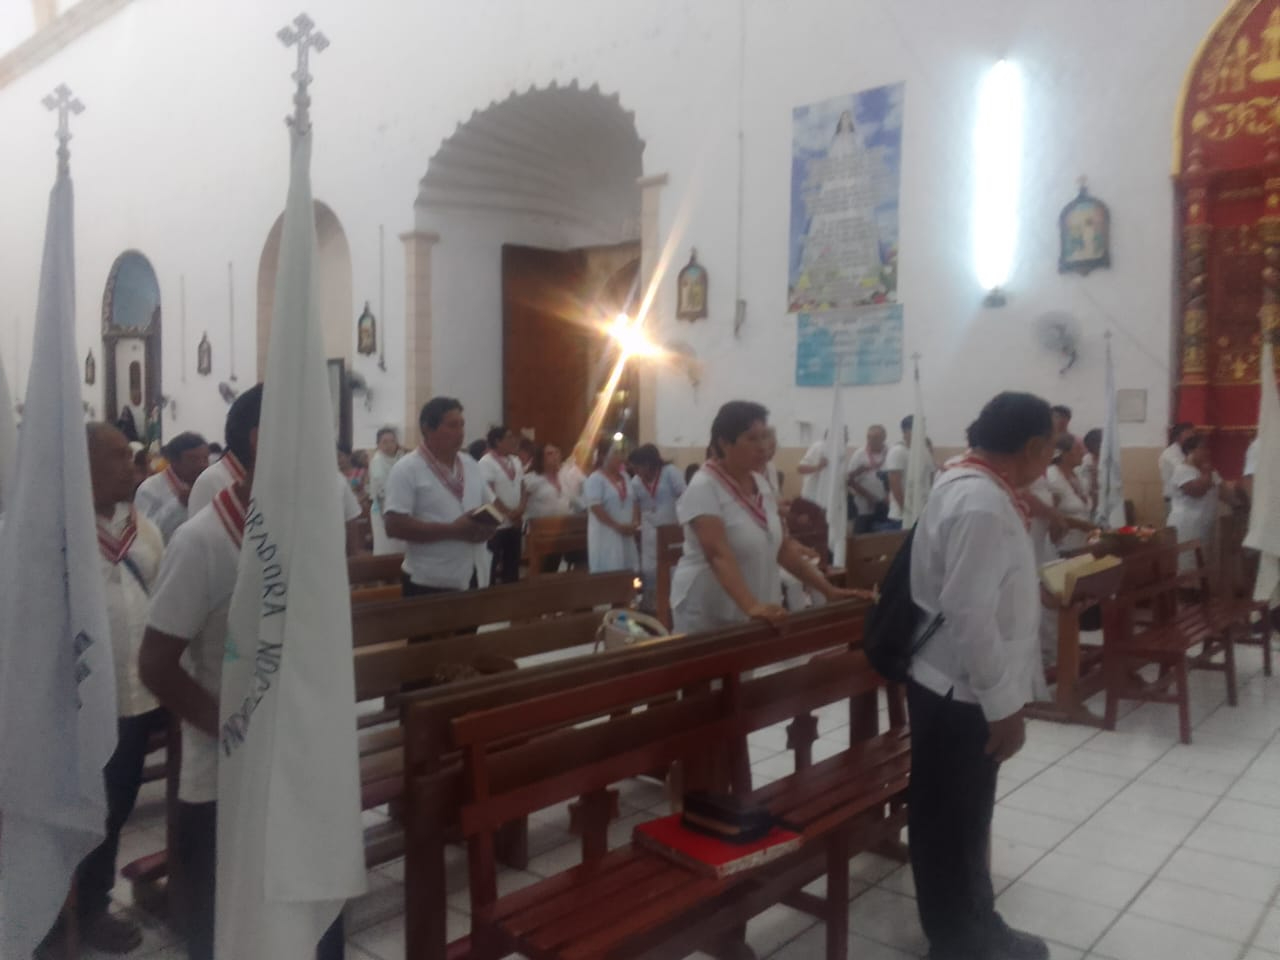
x,y
57,678
290,840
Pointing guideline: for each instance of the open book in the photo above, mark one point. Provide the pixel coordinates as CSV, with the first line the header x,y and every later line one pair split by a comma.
x,y
487,514
1060,576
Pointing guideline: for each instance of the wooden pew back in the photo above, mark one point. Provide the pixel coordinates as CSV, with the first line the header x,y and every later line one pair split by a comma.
x,y
420,618
670,548
368,570
867,558
546,536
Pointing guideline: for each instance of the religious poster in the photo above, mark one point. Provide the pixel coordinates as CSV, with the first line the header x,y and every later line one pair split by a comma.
x,y
845,181
864,344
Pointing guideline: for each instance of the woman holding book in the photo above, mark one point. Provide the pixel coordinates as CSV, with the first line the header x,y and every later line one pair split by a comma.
x,y
613,513
734,539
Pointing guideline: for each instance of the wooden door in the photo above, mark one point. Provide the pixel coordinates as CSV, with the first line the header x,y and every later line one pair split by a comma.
x,y
545,343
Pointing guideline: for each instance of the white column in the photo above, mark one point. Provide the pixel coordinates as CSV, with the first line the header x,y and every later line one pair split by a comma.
x,y
417,328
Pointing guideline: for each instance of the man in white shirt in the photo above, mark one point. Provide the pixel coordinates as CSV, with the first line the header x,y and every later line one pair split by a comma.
x,y
163,497
1173,457
504,476
817,472
974,578
130,548
384,458
222,474
181,663
864,481
895,468
431,495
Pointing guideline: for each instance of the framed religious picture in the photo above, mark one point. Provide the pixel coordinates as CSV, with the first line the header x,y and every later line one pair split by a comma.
x,y
1084,229
691,290
90,369
204,357
366,332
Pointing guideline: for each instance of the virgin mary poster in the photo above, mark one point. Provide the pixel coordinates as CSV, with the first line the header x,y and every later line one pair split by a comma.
x,y
845,181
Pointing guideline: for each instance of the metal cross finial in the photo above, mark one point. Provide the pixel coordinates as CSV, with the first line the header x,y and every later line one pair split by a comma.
x,y
306,38
66,104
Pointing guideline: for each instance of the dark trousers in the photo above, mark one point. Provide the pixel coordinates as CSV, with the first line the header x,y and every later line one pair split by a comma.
x,y
505,547
952,798
197,854
574,560
864,523
883,526
123,776
410,589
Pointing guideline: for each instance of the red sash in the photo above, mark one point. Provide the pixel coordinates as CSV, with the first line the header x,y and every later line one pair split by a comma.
x,y
230,510
455,481
754,505
234,467
179,488
620,484
653,488
974,462
114,548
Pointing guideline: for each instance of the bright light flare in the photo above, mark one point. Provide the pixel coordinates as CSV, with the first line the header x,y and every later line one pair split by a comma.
x,y
631,339
998,145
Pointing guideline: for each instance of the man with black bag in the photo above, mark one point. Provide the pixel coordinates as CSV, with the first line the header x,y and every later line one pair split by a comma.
x,y
958,622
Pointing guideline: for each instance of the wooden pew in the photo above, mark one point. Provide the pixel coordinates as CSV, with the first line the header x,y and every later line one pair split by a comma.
x,y
1183,615
549,536
374,578
1077,674
433,787
670,549
1238,572
521,757
867,558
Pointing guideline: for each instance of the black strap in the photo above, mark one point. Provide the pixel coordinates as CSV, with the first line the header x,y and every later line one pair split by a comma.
x,y
137,574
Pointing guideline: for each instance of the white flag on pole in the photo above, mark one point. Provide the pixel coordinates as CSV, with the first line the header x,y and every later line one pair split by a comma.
x,y
57,677
8,437
835,480
1110,512
290,844
915,482
1264,518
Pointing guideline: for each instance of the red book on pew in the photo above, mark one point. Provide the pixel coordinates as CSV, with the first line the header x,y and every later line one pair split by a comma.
x,y
707,855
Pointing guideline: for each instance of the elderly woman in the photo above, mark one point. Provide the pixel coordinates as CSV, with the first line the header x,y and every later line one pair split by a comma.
x,y
734,540
613,517
549,496
1070,498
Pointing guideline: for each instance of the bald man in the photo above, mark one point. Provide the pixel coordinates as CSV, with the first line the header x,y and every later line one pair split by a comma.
x,y
130,546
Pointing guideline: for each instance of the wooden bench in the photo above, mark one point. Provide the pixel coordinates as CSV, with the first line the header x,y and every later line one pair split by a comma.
x,y
433,786
374,578
670,548
520,758
867,558
554,536
1181,614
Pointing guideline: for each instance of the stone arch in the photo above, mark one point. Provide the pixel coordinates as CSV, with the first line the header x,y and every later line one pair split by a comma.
x,y
337,306
131,353
515,172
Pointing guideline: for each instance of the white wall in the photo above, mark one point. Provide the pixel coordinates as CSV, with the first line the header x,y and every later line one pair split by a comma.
x,y
182,154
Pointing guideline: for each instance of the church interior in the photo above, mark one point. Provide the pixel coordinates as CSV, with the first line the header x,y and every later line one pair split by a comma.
x,y
593,221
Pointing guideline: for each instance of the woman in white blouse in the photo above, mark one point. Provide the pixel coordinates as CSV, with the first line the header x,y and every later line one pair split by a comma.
x,y
974,578
734,541
613,517
1069,497
549,496
657,486
1196,489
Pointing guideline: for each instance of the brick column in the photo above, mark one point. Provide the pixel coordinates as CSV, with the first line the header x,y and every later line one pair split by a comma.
x,y
417,328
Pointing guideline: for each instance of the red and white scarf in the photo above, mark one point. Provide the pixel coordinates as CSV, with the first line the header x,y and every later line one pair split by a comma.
x,y
507,467
115,546
620,484
455,481
231,510
1018,499
234,467
179,488
754,505
652,488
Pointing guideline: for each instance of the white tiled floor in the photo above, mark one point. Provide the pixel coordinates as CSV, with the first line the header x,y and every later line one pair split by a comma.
x,y
1114,846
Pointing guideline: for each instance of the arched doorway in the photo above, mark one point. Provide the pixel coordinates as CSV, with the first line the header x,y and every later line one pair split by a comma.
x,y
131,343
529,210
1227,180
337,313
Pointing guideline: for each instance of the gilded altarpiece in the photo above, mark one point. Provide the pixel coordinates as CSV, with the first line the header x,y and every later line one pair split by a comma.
x,y
1227,178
